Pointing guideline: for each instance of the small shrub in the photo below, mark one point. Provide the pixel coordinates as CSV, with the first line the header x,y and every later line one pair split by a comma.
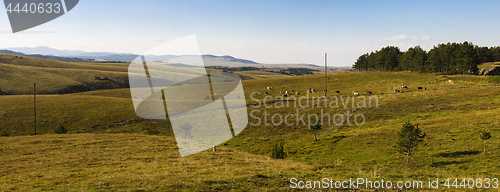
x,y
151,130
4,133
61,130
277,151
315,126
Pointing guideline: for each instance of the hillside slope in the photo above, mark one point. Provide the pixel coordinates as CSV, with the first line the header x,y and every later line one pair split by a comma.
x,y
18,74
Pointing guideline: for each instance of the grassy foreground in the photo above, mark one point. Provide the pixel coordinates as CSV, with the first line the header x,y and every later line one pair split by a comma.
x,y
132,162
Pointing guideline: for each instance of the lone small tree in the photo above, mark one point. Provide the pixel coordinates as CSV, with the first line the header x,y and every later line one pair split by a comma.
x,y
314,127
485,136
277,151
186,128
409,138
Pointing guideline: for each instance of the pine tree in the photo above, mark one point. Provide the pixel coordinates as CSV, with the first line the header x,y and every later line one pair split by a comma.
x,y
410,136
485,136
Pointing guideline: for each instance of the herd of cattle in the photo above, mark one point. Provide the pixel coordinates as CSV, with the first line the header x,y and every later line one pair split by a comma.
x,y
286,93
402,88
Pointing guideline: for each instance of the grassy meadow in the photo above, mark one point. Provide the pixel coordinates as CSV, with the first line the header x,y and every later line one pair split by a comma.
x,y
108,147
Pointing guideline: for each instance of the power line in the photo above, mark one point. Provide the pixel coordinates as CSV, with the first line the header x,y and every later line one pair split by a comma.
x,y
34,103
326,90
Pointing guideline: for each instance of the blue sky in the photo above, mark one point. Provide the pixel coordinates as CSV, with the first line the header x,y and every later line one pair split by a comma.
x,y
265,31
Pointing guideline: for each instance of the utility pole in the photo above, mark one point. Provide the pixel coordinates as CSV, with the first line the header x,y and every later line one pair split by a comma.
x,y
34,103
325,77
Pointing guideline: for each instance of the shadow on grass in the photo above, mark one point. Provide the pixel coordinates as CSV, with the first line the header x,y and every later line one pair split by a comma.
x,y
457,153
444,163
336,138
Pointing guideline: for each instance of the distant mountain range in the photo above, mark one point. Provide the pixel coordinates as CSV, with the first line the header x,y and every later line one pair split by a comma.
x,y
108,56
82,56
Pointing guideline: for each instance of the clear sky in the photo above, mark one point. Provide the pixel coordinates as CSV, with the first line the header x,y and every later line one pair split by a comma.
x,y
267,31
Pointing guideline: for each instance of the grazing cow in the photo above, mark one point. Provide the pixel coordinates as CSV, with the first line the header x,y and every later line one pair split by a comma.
x,y
450,81
418,88
266,93
314,90
355,93
369,92
286,92
291,90
325,90
270,88
284,95
397,91
297,93
337,91
404,86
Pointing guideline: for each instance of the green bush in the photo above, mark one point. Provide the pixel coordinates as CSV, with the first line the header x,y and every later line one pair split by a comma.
x,y
4,133
315,126
151,131
61,130
277,151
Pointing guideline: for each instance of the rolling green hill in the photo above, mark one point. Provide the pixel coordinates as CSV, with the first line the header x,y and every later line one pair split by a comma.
x,y
109,148
18,74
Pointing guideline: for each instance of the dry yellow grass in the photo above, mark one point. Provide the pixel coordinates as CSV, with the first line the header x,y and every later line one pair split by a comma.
x,y
131,162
